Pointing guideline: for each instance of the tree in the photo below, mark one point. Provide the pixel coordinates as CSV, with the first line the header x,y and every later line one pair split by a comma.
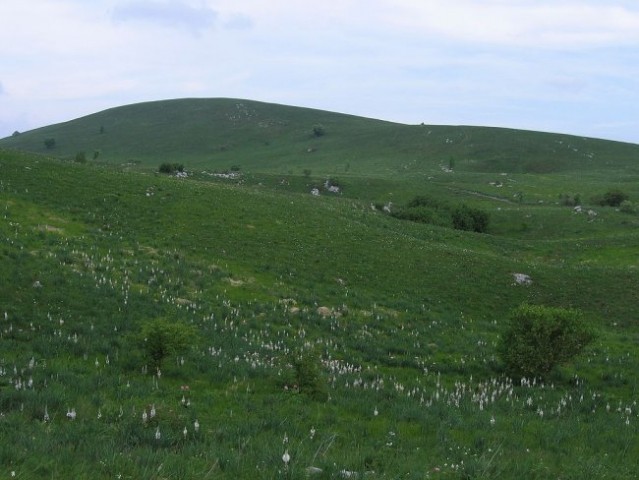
x,y
539,338
161,338
49,143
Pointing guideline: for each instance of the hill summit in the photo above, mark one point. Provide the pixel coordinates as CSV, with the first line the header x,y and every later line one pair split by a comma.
x,y
220,132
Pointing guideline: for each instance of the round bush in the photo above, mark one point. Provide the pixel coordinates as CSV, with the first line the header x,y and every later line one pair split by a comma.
x,y
539,338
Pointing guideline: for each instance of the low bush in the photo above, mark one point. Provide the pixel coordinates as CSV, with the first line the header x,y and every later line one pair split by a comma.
x,y
470,219
539,338
613,198
161,338
427,209
308,375
171,168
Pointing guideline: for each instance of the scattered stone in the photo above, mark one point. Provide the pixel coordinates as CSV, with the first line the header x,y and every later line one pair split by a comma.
x,y
522,279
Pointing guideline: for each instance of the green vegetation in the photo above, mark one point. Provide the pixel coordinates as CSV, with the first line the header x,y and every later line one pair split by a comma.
x,y
171,168
539,338
614,198
319,130
425,209
161,338
470,219
357,343
81,157
309,378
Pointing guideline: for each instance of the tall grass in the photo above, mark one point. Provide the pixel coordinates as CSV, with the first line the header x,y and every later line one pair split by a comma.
x,y
406,343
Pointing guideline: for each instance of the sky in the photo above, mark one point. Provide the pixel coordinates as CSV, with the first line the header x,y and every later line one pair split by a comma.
x,y
565,66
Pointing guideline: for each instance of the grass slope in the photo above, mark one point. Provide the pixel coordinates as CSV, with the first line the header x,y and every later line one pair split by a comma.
x,y
260,137
406,344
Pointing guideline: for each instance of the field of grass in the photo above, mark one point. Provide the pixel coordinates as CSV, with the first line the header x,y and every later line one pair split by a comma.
x,y
401,319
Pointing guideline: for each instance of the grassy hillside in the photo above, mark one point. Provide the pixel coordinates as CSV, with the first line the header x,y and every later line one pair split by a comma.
x,y
405,343
216,134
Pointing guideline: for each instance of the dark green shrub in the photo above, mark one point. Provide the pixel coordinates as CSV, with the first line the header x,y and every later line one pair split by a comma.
x,y
161,338
318,130
539,338
424,209
170,168
613,198
49,143
308,376
470,219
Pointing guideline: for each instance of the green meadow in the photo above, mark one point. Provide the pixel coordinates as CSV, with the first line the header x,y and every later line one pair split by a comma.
x,y
331,329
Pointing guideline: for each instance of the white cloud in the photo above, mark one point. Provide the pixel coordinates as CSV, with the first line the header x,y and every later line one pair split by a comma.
x,y
539,64
557,24
169,13
238,21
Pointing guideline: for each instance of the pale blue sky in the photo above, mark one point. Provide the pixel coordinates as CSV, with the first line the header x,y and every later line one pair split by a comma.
x,y
569,66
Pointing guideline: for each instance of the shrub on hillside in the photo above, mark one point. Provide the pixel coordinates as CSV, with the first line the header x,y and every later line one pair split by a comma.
x,y
424,209
319,130
171,168
613,198
427,209
161,338
308,376
470,219
539,338
49,143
